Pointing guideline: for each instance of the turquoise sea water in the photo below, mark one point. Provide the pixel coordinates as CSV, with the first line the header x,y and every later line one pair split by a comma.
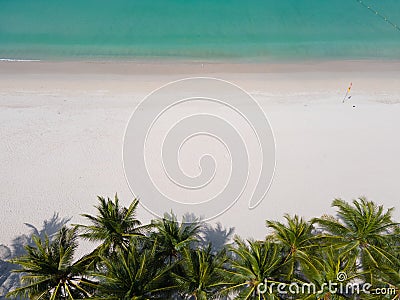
x,y
199,29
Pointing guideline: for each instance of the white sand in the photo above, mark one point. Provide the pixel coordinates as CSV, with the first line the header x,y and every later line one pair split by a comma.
x,y
62,124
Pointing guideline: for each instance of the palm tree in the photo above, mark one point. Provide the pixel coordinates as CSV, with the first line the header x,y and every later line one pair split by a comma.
x,y
9,280
387,277
113,226
298,240
362,230
135,274
173,236
200,274
332,267
252,263
388,274
49,271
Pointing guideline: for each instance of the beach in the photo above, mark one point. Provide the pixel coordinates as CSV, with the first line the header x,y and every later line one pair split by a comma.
x,y
227,146
62,126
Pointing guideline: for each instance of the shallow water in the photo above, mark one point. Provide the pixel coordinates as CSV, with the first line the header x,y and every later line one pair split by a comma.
x,y
199,29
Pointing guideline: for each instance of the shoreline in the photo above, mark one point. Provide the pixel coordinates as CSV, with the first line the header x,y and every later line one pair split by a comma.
x,y
167,66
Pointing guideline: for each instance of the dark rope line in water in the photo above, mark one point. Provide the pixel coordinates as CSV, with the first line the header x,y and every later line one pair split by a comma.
x,y
379,15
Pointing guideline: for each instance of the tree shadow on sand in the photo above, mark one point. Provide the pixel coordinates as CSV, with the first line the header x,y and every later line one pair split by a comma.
x,y
216,235
9,280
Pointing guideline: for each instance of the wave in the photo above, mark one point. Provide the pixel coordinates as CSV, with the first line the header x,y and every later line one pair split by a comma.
x,y
18,60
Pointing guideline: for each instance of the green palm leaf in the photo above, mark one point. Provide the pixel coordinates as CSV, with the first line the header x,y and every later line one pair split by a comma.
x,y
49,271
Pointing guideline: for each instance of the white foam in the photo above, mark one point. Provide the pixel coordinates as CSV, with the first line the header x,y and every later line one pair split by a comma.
x,y
18,60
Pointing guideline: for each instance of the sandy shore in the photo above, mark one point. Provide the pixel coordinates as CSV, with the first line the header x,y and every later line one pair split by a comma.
x,y
62,125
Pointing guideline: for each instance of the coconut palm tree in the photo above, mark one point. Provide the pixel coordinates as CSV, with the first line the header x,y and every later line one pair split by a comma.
x,y
135,274
333,267
113,226
252,263
49,271
200,273
363,230
173,236
387,275
298,243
